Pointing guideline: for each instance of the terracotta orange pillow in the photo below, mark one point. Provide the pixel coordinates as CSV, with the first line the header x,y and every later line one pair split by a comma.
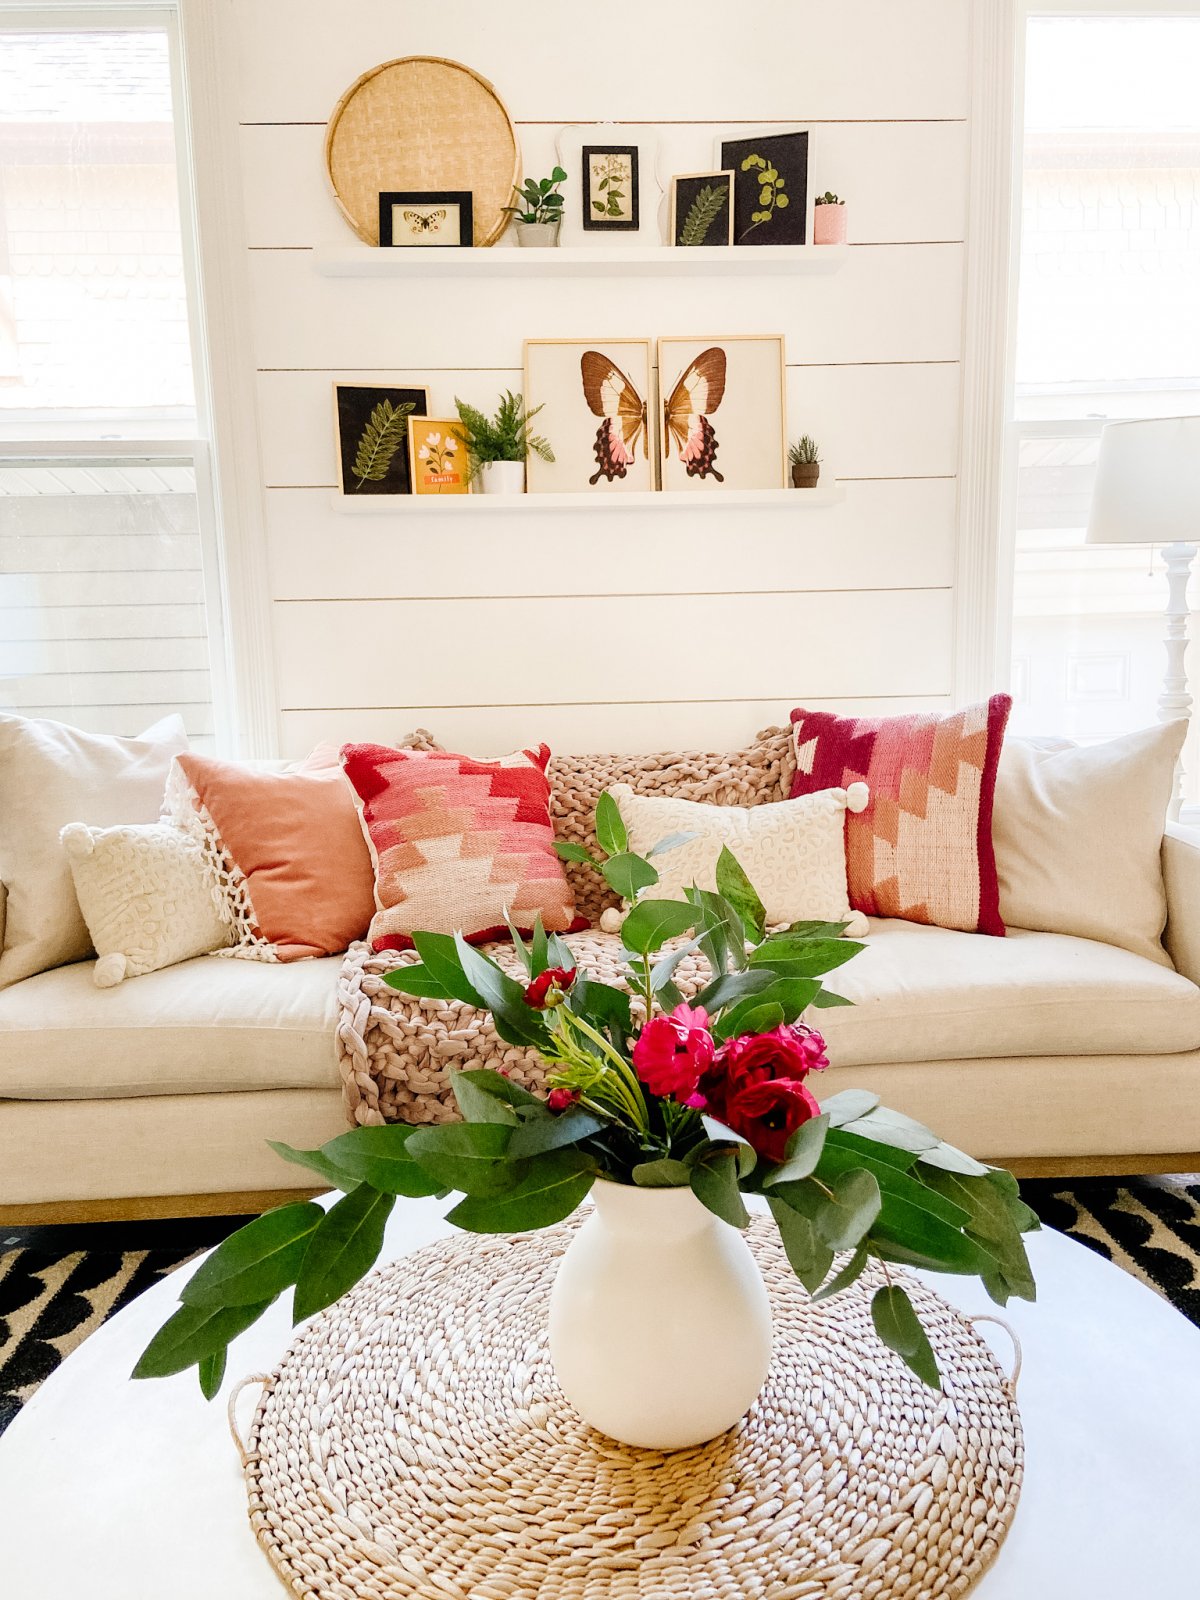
x,y
922,849
458,843
289,849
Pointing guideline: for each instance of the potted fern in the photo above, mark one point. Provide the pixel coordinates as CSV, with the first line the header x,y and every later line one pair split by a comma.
x,y
829,219
498,445
805,461
537,210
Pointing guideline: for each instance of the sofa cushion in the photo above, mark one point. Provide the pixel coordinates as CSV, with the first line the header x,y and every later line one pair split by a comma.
x,y
204,1025
933,994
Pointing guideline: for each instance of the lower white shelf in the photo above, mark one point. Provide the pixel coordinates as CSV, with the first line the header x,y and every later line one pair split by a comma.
x,y
702,500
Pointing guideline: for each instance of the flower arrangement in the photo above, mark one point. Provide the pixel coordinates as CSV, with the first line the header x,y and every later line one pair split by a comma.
x,y
646,1088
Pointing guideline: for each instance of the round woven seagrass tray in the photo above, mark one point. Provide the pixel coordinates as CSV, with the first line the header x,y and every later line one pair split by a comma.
x,y
413,1442
422,123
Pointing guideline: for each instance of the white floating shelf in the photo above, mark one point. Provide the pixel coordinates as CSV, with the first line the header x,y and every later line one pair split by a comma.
x,y
576,261
775,500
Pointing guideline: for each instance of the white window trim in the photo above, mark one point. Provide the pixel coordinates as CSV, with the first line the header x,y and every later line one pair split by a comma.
x,y
990,438
214,249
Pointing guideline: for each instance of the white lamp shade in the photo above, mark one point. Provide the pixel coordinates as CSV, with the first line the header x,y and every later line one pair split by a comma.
x,y
1147,483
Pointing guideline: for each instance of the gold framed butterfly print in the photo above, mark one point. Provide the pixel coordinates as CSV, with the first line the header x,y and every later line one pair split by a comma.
x,y
597,400
425,219
722,415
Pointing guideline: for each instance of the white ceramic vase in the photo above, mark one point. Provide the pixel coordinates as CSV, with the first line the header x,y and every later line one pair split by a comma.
x,y
660,1325
502,477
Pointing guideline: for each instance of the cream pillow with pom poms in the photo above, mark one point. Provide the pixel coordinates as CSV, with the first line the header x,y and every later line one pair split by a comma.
x,y
793,851
147,896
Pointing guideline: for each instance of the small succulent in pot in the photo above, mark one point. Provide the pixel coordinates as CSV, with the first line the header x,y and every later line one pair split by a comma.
x,y
537,210
498,445
829,219
805,460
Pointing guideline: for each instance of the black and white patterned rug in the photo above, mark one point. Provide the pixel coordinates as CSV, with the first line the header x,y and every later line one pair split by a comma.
x,y
57,1285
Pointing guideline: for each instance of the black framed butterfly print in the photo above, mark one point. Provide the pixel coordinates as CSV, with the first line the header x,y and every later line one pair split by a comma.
x,y
722,412
425,218
596,401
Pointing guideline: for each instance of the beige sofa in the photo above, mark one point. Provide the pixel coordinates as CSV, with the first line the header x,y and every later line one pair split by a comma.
x,y
1051,1053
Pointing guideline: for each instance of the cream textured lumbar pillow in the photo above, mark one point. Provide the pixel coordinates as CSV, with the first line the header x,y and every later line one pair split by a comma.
x,y
793,851
1078,835
147,896
51,774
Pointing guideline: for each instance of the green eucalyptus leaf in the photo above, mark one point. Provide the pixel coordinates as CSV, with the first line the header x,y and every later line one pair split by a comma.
x,y
848,1106
889,1127
552,1133
714,1181
342,1250
735,887
870,1151
380,1157
478,1103
853,1269
730,987
601,1003
519,945
803,1153
439,952
416,979
808,1256
663,970
559,954
494,1084
898,1325
850,1210
550,1189
816,930
652,922
567,851
539,950
662,1174
951,1160
829,997
844,1152
753,1015
471,1156
256,1263
803,958
212,1372
504,997
627,875
192,1334
611,832
316,1161
672,841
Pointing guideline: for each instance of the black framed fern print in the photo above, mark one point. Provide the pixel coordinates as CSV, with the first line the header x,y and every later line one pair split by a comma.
x,y
702,208
372,436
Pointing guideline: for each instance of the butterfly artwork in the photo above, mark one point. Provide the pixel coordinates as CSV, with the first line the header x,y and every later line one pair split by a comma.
x,y
419,217
425,221
611,396
687,413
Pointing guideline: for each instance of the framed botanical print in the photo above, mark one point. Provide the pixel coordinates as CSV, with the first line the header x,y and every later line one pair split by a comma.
x,y
610,187
771,199
722,412
437,456
702,208
424,218
372,436
595,396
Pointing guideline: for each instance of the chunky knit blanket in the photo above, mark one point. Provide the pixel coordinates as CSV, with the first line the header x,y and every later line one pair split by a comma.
x,y
396,1052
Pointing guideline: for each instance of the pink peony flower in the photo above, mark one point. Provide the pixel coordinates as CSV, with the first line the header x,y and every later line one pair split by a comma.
x,y
671,1053
756,1085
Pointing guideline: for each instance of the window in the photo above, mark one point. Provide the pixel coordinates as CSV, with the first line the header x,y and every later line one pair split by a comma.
x,y
109,605
1108,327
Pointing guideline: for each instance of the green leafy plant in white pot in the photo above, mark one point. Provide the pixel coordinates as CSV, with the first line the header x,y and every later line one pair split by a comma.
x,y
497,446
829,219
537,210
804,458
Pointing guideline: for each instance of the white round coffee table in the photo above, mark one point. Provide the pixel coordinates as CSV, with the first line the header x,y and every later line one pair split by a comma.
x,y
132,1491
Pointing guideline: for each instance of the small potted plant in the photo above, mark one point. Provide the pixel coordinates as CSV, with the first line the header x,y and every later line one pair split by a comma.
x,y
805,461
537,210
829,219
497,446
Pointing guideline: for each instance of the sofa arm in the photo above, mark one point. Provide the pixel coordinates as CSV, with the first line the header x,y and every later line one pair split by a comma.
x,y
1181,875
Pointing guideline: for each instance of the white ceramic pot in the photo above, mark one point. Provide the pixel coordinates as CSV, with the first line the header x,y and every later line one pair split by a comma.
x,y
538,235
660,1326
502,477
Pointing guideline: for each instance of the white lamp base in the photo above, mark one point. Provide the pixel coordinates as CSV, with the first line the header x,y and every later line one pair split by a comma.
x,y
1175,702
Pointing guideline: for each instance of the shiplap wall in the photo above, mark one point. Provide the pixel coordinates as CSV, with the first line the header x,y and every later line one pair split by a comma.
x,y
618,629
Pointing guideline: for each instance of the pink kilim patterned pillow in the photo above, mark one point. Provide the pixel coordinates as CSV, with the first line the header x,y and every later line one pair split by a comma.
x,y
458,843
922,849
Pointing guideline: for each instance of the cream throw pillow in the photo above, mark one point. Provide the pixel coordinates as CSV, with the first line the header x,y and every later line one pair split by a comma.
x,y
51,775
793,851
147,897
1078,835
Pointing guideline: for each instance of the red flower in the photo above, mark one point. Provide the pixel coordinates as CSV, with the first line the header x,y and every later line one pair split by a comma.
x,y
671,1053
562,1099
549,988
756,1085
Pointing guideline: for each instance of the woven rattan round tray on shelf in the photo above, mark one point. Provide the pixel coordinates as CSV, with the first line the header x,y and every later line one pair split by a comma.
x,y
422,123
413,1443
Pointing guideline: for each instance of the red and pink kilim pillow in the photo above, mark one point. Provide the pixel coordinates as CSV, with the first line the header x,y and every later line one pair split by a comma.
x,y
922,850
458,843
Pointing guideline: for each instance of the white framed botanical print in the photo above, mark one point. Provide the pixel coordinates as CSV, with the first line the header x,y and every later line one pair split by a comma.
x,y
595,399
723,423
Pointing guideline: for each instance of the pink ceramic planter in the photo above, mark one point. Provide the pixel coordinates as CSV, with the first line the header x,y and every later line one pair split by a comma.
x,y
829,224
